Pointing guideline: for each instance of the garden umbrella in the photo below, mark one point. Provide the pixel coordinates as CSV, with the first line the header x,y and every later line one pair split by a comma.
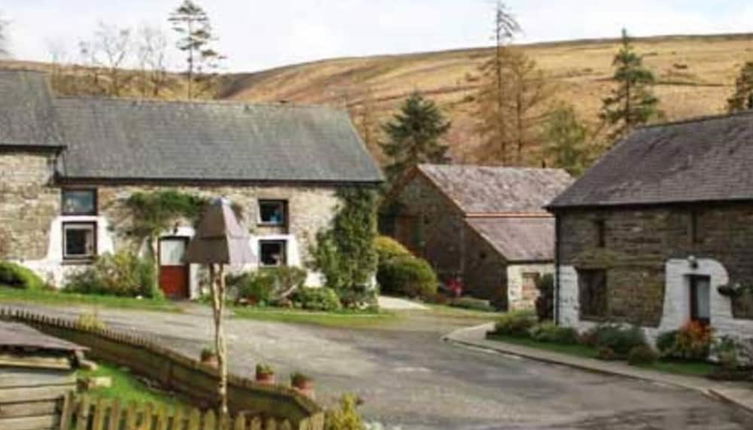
x,y
219,240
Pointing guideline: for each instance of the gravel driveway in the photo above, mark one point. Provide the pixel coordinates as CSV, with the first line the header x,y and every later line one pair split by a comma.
x,y
408,377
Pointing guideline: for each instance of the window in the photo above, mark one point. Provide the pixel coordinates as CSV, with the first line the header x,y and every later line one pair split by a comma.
x,y
695,231
601,233
272,252
700,302
79,202
272,212
592,286
79,240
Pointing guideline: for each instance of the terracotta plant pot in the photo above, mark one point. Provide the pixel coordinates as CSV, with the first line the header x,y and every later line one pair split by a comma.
x,y
209,359
265,378
304,386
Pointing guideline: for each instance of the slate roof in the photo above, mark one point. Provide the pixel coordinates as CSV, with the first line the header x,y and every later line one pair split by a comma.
x,y
518,239
17,335
26,113
485,189
701,160
129,139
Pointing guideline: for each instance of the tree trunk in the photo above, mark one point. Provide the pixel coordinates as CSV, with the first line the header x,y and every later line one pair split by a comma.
x,y
218,307
153,243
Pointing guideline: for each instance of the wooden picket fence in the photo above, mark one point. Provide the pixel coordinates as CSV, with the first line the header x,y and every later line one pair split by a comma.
x,y
85,413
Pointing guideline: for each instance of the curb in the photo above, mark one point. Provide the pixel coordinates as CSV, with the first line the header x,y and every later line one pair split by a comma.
x,y
710,392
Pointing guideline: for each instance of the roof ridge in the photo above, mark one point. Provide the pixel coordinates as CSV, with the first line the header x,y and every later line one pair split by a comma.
x,y
489,166
199,102
696,119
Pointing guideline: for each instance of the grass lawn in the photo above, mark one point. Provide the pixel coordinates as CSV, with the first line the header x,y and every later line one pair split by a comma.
x,y
688,368
10,295
127,388
345,319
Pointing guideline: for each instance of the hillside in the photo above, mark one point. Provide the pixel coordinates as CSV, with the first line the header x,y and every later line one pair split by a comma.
x,y
696,75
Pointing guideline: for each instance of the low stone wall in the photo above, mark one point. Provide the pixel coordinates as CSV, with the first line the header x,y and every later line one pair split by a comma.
x,y
179,373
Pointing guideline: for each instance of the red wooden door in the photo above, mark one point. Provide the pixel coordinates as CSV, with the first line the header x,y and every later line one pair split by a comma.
x,y
173,271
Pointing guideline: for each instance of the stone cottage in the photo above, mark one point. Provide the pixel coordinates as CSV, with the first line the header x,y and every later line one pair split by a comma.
x,y
483,225
67,164
660,231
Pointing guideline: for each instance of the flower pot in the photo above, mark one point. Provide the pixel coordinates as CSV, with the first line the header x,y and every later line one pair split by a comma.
x,y
305,387
265,378
210,360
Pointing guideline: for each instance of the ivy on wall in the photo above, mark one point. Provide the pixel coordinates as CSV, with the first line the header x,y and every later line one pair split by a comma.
x,y
345,253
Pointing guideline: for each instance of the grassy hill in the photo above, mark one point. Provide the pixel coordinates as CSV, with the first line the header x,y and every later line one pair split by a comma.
x,y
696,75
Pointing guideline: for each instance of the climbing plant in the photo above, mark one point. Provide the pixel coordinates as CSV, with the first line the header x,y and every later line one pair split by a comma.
x,y
345,252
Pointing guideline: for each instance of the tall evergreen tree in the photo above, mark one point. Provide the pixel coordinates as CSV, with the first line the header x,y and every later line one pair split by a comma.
x,y
632,102
192,24
413,136
742,99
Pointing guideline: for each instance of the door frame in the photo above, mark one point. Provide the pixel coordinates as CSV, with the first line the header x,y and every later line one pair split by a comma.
x,y
693,283
186,266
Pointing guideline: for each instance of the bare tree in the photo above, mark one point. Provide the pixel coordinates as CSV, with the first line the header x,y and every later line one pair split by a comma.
x,y
152,58
113,47
3,37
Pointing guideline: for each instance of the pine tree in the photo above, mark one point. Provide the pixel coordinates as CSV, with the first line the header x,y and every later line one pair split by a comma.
x,y
566,141
494,124
742,99
633,102
191,22
413,136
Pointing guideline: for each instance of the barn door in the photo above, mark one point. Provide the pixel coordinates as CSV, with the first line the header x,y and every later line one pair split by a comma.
x,y
173,270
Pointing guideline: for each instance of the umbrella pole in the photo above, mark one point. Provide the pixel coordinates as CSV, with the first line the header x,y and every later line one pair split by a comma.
x,y
217,282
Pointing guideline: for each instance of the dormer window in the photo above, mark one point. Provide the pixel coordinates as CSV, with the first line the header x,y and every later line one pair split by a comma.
x,y
79,202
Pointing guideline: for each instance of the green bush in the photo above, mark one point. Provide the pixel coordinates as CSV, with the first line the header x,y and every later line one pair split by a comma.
x,y
122,274
346,417
16,276
407,276
552,333
665,343
642,355
692,342
617,338
472,303
317,299
515,323
268,284
388,248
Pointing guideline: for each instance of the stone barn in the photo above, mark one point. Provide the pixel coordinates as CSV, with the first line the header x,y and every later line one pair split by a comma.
x,y
483,225
660,231
69,164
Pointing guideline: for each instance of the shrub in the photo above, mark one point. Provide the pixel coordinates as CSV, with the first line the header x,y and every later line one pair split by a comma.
x,y
264,369
253,287
641,355
692,342
606,353
552,333
16,276
346,417
408,276
90,321
317,299
472,303
616,337
298,379
287,279
120,274
545,300
388,248
515,323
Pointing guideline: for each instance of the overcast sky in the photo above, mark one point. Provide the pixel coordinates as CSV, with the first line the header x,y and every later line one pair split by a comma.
x,y
259,34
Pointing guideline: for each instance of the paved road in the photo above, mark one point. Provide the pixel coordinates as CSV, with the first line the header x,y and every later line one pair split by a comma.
x,y
408,377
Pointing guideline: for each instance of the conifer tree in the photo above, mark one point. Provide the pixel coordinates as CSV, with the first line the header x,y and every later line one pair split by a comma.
x,y
566,141
413,136
742,99
191,22
632,102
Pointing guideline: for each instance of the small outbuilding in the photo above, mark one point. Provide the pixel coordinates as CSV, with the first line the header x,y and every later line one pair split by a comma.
x,y
483,225
36,372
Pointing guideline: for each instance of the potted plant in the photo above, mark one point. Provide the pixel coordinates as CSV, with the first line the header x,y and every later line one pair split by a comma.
x,y
265,374
209,357
302,383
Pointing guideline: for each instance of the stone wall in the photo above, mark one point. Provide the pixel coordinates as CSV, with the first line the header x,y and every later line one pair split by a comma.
x,y
638,245
27,204
485,274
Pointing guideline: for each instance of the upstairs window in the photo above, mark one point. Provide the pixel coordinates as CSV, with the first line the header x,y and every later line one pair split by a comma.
x,y
601,233
273,252
79,202
79,240
592,291
695,228
272,212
